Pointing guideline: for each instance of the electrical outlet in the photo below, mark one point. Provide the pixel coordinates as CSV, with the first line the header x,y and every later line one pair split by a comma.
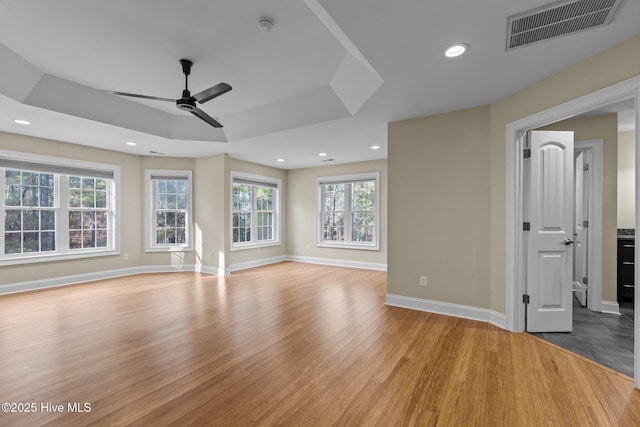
x,y
423,281
125,257
308,247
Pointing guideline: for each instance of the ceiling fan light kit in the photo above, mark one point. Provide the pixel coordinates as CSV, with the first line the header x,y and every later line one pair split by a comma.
x,y
189,102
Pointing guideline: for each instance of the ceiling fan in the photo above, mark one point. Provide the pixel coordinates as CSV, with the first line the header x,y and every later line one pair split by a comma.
x,y
188,101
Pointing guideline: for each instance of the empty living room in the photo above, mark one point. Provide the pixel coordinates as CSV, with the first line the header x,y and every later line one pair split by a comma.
x,y
318,213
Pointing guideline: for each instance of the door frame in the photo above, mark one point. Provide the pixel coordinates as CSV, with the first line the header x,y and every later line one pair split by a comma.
x,y
515,140
594,231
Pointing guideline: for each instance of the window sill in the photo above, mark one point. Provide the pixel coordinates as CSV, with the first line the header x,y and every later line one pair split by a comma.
x,y
169,249
348,246
240,247
57,257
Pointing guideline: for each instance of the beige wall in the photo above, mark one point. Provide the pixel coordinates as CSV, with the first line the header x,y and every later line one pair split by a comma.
x,y
462,252
603,127
626,180
209,211
301,213
439,207
247,255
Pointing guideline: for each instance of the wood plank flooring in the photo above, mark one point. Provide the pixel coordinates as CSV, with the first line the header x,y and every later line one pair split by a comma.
x,y
289,344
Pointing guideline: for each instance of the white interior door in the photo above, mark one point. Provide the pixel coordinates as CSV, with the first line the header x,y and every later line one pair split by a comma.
x,y
550,212
581,245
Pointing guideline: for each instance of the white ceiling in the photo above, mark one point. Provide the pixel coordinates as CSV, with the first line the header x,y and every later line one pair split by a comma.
x,y
328,77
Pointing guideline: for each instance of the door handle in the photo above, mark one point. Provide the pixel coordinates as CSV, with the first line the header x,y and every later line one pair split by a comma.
x,y
567,242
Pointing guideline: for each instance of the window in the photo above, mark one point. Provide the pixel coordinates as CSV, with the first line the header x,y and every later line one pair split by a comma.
x,y
169,210
56,208
254,210
348,211
88,212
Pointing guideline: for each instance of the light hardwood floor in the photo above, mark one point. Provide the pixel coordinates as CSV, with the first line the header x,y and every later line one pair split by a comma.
x,y
288,344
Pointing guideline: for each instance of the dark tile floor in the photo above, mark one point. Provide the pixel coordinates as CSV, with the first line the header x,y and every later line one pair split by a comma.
x,y
604,338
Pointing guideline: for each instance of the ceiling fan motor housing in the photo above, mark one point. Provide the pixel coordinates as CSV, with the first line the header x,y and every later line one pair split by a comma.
x,y
186,103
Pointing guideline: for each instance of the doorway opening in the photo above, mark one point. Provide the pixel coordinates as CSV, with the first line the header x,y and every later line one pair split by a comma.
x,y
600,330
516,254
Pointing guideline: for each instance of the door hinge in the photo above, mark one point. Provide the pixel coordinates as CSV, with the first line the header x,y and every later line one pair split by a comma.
x,y
525,299
585,280
526,226
585,224
527,153
585,167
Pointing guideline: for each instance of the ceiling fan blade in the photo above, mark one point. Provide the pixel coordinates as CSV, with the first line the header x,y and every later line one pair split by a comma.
x,y
212,92
135,95
204,116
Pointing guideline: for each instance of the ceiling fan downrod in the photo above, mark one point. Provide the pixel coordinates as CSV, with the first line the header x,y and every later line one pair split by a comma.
x,y
186,70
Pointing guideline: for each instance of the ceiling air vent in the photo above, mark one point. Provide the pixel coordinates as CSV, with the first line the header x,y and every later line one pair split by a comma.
x,y
558,19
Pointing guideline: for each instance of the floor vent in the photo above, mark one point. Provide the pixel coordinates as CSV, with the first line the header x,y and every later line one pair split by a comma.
x,y
558,19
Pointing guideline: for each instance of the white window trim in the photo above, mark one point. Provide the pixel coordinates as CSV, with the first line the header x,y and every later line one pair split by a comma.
x,y
373,246
60,198
276,212
149,203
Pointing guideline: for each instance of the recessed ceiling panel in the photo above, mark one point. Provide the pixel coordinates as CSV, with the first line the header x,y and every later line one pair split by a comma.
x,y
135,47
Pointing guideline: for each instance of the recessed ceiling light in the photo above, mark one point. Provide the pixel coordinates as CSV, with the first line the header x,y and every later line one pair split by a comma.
x,y
131,143
22,122
375,147
280,160
322,154
456,50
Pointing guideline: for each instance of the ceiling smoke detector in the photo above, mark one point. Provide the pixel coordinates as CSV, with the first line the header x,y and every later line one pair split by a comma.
x,y
265,24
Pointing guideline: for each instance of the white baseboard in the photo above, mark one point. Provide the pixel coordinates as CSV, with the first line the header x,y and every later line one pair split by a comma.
x,y
339,262
610,307
12,288
257,263
167,268
448,309
67,280
220,271
216,271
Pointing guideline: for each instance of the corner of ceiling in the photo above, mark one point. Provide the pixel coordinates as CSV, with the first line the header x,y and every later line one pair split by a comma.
x,y
354,83
355,80
17,76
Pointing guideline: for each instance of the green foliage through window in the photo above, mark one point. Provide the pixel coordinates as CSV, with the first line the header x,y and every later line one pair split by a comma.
x,y
348,212
88,214
253,213
170,211
31,210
